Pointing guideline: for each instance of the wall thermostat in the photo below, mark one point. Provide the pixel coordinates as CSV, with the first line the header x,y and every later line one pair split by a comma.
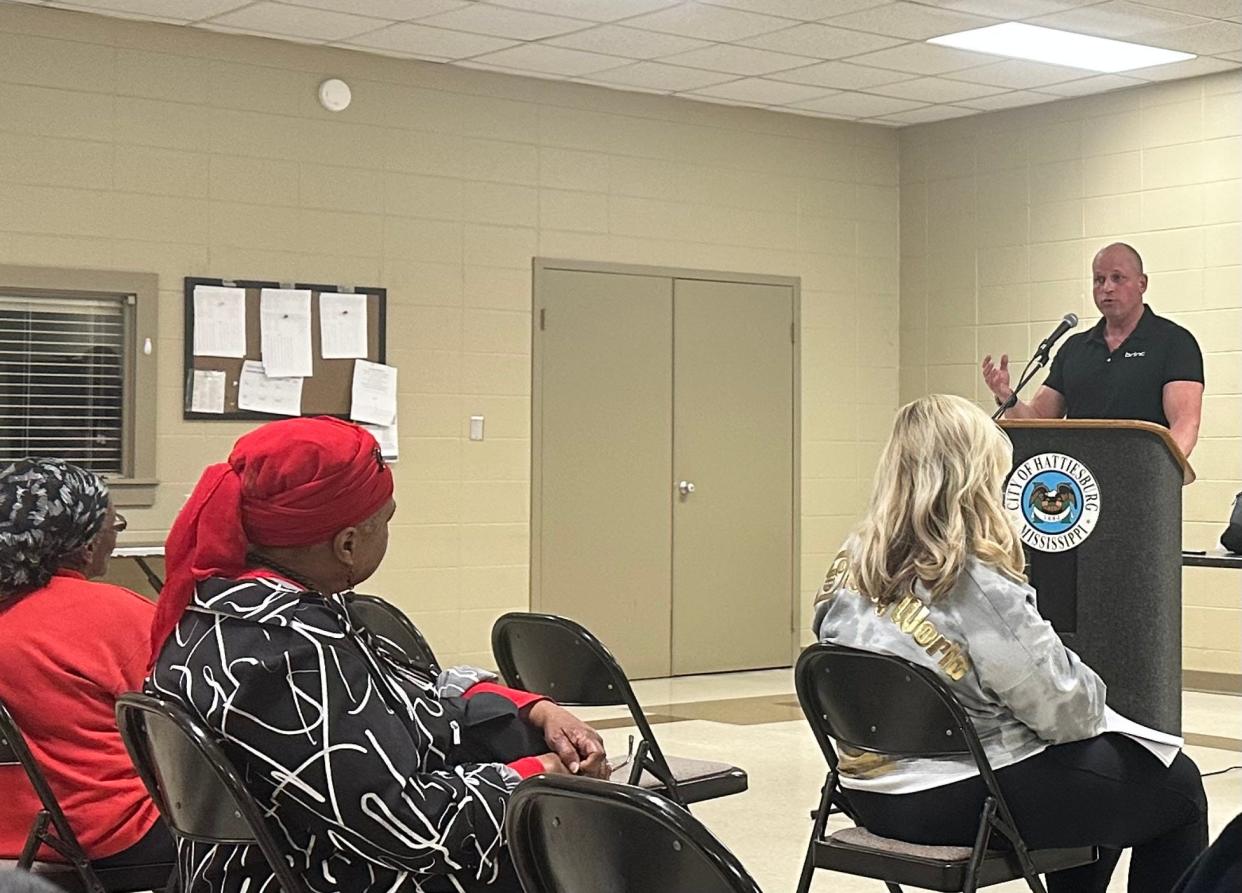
x,y
334,95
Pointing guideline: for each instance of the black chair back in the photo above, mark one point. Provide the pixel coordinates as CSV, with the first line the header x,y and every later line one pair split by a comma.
x,y
559,658
879,703
389,622
570,834
197,789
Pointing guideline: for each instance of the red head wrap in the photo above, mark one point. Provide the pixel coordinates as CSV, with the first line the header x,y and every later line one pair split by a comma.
x,y
295,482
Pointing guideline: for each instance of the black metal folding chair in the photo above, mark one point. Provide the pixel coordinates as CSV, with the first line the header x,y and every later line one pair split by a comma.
x,y
570,834
883,704
196,787
390,623
563,660
50,828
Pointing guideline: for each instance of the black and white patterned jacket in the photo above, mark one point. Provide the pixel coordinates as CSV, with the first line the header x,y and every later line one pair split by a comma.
x,y
347,746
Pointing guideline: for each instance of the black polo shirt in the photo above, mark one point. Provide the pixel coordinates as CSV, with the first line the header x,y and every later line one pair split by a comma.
x,y
1127,383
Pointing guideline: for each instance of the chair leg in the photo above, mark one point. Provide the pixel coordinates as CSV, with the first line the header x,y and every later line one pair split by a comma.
x,y
971,881
892,888
38,830
817,833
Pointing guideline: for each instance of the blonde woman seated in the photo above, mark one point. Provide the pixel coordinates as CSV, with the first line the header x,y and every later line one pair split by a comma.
x,y
936,531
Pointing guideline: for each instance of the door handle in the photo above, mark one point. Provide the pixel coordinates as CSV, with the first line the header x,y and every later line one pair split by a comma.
x,y
685,487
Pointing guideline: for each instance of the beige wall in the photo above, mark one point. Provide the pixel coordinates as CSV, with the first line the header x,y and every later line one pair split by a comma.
x,y
1001,215
153,148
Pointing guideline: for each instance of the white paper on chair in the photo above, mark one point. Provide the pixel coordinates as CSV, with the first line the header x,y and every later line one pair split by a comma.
x,y
207,392
1164,746
285,332
260,393
374,393
342,325
219,321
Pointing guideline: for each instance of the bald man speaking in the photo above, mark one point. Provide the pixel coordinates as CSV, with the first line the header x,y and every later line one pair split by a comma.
x,y
1132,364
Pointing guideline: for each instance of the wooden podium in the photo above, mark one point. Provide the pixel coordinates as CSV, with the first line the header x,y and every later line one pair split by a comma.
x,y
1101,506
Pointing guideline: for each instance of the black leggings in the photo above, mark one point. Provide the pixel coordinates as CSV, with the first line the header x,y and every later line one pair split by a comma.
x,y
154,847
1106,791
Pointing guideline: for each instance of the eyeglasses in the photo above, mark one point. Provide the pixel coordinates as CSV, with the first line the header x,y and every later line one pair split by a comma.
x,y
120,523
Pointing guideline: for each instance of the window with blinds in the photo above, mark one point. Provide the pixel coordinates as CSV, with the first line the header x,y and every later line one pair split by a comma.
x,y
62,379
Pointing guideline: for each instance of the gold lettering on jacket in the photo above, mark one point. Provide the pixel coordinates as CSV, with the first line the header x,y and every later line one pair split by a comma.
x,y
910,616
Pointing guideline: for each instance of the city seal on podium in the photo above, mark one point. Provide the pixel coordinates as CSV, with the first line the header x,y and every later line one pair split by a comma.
x,y
1056,499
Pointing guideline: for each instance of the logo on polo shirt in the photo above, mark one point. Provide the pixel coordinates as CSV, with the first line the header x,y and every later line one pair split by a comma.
x,y
1056,498
1136,353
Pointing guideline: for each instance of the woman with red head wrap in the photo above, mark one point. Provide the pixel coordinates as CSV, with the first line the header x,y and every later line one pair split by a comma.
x,y
355,752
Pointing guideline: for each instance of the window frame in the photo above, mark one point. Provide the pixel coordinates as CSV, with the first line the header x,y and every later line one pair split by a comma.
x,y
137,486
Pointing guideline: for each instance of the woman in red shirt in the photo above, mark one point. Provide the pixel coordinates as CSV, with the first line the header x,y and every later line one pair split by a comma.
x,y
68,648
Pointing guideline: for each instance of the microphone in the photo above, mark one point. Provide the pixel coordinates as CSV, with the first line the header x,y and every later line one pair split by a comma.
x,y
1069,321
1038,361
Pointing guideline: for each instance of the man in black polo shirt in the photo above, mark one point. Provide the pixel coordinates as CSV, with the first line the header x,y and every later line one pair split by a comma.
x,y
1132,364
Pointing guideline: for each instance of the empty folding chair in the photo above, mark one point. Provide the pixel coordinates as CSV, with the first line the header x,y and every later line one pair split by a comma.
x,y
563,660
569,834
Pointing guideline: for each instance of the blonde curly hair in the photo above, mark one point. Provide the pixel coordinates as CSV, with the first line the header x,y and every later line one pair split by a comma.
x,y
935,502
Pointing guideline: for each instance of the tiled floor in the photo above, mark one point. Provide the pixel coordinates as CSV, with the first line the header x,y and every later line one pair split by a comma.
x,y
753,720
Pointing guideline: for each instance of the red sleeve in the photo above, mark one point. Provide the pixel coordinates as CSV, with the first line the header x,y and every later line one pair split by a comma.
x,y
527,766
520,699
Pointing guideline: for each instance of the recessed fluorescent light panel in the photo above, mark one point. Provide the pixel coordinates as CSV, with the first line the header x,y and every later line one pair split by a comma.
x,y
1057,47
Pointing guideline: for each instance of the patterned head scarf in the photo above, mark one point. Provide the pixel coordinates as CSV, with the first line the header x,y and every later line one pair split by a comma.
x,y
48,509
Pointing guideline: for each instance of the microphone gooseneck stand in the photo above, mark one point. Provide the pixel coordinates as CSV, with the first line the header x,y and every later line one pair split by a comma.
x,y
1037,362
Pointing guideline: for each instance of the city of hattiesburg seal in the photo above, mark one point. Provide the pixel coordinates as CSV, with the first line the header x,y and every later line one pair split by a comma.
x,y
1056,499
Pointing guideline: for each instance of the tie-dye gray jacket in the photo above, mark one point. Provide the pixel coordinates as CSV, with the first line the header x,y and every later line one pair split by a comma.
x,y
1020,685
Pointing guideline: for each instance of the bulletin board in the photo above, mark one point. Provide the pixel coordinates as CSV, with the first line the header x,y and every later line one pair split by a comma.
x,y
327,391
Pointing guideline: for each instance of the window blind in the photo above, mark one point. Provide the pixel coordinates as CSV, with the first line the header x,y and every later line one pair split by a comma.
x,y
62,380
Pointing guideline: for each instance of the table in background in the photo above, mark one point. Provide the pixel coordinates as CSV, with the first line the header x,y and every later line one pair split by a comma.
x,y
140,552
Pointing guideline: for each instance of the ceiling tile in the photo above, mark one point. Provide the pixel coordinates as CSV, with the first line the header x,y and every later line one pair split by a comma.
x,y
1116,18
496,21
804,10
396,10
736,60
1212,9
419,40
1205,40
1188,69
820,41
1018,74
658,76
935,90
1100,84
858,105
591,10
927,114
924,58
841,75
537,57
629,42
186,11
297,21
1007,100
708,22
910,20
1010,10
760,91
